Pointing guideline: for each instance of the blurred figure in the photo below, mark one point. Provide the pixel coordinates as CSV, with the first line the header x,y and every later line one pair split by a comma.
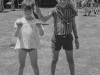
x,y
75,5
1,5
85,5
13,5
93,5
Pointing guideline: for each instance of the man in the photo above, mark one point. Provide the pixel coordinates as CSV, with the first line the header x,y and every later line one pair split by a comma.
x,y
93,7
86,5
64,24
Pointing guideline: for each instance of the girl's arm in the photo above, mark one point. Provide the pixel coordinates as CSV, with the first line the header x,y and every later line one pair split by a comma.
x,y
41,31
18,27
17,31
45,18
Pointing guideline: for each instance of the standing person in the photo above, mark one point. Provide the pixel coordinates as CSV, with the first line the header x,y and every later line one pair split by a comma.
x,y
92,7
64,23
13,5
27,33
96,6
85,5
1,5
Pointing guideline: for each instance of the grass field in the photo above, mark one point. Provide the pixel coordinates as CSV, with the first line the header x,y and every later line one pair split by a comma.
x,y
87,58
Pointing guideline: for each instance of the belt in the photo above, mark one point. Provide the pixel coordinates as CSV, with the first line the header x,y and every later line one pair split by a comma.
x,y
63,36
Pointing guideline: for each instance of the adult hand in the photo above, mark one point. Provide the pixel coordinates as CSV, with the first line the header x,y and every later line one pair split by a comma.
x,y
76,43
37,10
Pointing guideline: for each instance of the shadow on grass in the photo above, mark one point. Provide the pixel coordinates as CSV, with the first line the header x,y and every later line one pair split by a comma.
x,y
89,16
98,14
92,16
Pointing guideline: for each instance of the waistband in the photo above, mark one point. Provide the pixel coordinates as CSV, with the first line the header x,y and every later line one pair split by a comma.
x,y
28,49
64,36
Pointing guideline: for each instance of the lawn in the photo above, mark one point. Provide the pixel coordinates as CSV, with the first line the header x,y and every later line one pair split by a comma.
x,y
87,60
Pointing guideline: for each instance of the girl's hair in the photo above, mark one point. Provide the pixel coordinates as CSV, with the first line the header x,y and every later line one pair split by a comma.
x,y
27,4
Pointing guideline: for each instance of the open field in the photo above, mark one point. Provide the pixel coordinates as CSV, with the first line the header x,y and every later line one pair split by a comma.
x,y
87,58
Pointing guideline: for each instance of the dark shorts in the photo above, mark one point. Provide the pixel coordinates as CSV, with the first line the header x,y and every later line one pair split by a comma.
x,y
28,50
59,41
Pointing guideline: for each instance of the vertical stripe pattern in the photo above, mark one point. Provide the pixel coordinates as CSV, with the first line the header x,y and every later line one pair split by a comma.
x,y
61,27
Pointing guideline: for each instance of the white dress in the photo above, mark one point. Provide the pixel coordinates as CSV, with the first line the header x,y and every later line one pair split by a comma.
x,y
29,36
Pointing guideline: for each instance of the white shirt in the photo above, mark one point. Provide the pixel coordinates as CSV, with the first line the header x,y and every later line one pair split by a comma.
x,y
28,36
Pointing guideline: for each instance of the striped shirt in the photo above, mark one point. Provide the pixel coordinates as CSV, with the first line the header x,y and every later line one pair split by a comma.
x,y
63,26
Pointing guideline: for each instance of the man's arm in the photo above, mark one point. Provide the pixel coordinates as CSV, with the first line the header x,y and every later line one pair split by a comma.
x,y
41,17
45,18
74,28
75,34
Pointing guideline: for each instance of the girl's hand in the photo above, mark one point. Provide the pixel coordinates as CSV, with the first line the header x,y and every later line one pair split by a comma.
x,y
38,25
19,24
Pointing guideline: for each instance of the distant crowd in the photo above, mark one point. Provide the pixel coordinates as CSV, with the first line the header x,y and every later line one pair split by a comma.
x,y
88,5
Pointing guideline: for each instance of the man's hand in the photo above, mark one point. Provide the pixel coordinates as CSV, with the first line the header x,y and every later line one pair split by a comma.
x,y
76,43
37,10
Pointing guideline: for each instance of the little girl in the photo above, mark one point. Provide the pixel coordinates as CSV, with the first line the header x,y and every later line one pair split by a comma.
x,y
27,33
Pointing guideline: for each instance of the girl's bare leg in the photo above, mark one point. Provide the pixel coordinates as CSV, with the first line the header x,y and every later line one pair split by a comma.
x,y
33,58
22,56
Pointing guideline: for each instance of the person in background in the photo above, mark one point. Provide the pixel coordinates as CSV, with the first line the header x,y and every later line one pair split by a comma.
x,y
92,7
13,5
1,6
85,5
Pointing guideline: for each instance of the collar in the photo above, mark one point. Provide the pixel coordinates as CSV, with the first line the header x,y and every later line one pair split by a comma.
x,y
69,5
